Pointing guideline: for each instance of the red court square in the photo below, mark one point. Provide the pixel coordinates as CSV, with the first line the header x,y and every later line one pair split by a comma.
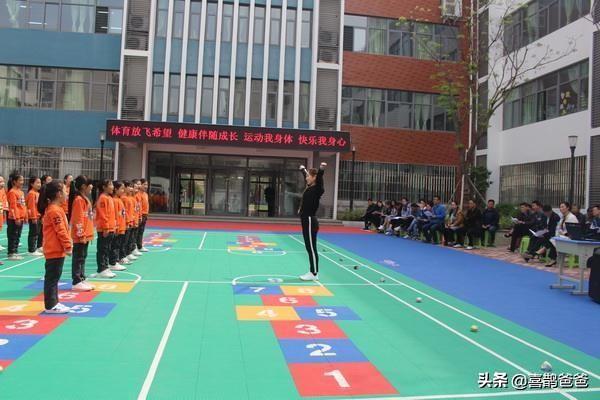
x,y
71,297
340,379
5,363
282,300
307,330
28,325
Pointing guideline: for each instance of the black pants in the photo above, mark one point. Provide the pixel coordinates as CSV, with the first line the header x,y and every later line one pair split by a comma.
x,y
472,234
103,248
372,219
518,232
13,231
132,239
80,253
54,267
491,234
33,238
41,235
124,244
451,235
140,232
310,228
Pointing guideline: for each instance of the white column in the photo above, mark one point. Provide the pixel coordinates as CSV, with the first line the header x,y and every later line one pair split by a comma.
x,y
217,61
234,39
120,99
150,69
200,62
313,71
281,63
249,62
338,123
167,60
263,102
298,64
184,47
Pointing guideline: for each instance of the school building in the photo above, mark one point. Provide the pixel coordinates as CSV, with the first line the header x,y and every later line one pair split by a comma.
x,y
217,103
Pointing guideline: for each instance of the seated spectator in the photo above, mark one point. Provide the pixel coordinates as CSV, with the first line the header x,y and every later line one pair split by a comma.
x,y
405,216
491,222
576,211
566,217
521,226
369,216
472,225
436,222
385,213
454,223
420,218
595,221
540,241
390,212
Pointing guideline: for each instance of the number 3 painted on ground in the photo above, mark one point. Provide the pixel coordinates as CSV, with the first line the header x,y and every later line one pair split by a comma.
x,y
22,324
308,329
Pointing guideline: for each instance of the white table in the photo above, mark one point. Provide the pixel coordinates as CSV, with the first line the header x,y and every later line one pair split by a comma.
x,y
584,250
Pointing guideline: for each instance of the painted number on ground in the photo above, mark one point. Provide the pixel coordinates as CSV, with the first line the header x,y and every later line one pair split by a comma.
x,y
339,378
322,350
22,324
308,329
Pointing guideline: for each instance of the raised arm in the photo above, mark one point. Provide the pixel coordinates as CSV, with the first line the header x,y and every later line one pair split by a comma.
x,y
320,175
304,171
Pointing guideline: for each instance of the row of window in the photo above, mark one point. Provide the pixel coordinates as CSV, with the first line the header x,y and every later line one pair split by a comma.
x,y
553,95
539,18
83,16
239,102
59,88
394,109
420,40
227,23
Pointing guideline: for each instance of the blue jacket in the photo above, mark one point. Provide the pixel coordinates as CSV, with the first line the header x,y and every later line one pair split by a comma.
x,y
439,213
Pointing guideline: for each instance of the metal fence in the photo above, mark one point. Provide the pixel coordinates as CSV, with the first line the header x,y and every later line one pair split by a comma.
x,y
393,181
54,161
545,181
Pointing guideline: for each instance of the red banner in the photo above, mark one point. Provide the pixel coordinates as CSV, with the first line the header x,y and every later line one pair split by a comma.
x,y
226,135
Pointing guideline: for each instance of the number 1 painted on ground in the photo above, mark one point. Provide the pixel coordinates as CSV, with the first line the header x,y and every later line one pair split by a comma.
x,y
339,378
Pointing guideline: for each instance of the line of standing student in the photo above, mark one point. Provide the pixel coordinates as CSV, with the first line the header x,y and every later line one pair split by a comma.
x,y
61,221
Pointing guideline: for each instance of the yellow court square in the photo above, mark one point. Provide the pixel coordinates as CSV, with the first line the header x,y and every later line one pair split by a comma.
x,y
21,307
305,291
266,313
112,287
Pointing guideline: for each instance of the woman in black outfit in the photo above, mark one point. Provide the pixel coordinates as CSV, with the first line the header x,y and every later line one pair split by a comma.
x,y
310,225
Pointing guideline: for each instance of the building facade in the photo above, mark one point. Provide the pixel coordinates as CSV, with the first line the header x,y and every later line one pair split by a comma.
x,y
200,73
527,147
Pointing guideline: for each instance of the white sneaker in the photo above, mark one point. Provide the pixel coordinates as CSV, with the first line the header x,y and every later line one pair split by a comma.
x,y
89,284
2,248
469,248
137,253
40,249
58,309
380,227
144,250
457,246
107,273
131,257
125,261
309,276
82,287
14,257
36,253
397,229
117,267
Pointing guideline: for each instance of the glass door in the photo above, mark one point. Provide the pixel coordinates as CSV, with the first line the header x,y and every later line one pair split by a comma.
x,y
192,193
263,194
227,192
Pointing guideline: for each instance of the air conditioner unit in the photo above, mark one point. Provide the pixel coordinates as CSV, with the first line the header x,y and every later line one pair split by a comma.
x,y
328,55
136,42
328,38
132,103
451,9
138,23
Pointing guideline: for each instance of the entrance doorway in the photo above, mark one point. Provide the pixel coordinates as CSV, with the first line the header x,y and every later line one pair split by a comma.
x,y
227,192
192,192
263,196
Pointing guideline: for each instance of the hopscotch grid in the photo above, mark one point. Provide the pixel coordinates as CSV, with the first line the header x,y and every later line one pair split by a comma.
x,y
437,321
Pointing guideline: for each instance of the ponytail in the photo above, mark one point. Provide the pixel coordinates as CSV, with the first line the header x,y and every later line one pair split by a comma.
x,y
49,193
75,189
14,176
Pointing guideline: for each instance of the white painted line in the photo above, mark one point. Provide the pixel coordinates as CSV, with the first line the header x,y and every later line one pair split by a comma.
x,y
202,242
161,346
19,264
474,318
440,323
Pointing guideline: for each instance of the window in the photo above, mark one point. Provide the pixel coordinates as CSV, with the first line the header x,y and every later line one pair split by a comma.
x,y
190,95
288,101
392,37
227,25
62,88
207,96
275,26
304,108
272,87
211,22
178,15
239,99
556,94
259,25
195,18
223,98
290,29
255,98
393,109
174,82
161,18
243,24
306,28
77,18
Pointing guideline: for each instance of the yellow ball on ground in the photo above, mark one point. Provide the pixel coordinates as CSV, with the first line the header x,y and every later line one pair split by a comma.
x,y
474,328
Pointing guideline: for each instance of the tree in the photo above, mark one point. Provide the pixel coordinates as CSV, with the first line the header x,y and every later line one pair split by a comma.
x,y
490,46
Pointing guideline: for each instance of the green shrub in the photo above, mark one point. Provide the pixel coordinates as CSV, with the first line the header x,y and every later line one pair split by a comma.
x,y
356,215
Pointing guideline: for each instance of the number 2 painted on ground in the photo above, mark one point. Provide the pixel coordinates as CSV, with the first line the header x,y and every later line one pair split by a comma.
x,y
307,329
322,350
339,378
22,324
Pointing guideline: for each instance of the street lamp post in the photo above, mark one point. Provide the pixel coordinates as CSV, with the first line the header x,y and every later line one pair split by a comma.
x,y
572,145
352,179
102,139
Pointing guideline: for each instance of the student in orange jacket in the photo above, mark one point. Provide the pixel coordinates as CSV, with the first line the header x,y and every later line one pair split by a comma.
x,y
138,210
129,201
145,209
33,216
3,207
118,251
82,230
57,243
68,181
17,214
105,225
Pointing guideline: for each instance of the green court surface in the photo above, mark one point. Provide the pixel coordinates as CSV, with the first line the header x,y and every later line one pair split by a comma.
x,y
222,315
